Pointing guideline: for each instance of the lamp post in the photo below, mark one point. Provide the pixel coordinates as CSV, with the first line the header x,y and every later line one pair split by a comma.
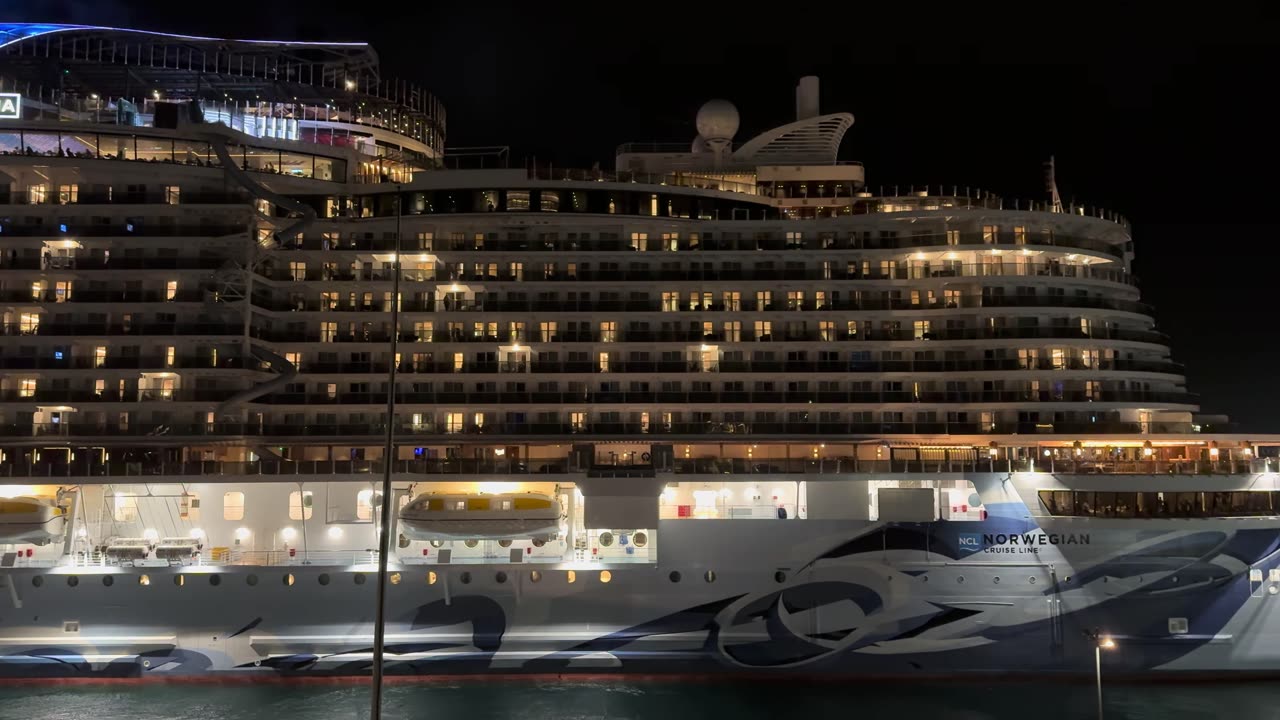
x,y
1100,643
388,457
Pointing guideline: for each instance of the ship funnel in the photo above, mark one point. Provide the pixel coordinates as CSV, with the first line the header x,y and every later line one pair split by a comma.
x,y
807,97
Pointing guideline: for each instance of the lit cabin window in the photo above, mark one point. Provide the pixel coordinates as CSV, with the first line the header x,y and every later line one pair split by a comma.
x,y
364,505
506,504
125,507
460,505
233,506
300,505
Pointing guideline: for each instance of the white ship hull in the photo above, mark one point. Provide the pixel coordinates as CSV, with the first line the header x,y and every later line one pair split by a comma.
x,y
795,596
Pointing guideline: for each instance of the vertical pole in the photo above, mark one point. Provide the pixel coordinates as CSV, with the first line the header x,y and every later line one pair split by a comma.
x,y
384,532
1097,659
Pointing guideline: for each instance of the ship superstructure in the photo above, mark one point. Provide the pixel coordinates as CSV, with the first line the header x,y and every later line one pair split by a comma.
x,y
724,383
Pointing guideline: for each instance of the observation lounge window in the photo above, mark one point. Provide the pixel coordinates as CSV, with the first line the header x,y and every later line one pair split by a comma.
x,y
1246,503
517,200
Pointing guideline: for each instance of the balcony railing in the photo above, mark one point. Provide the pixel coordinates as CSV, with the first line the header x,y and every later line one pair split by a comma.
x,y
441,274
210,470
53,329
750,397
582,431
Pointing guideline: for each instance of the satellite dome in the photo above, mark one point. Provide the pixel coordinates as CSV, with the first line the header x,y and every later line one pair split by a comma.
x,y
717,120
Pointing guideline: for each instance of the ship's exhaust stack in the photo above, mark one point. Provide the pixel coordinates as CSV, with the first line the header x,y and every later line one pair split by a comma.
x,y
807,97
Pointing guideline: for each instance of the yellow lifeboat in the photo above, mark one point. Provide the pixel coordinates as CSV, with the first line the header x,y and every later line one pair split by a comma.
x,y
462,516
38,521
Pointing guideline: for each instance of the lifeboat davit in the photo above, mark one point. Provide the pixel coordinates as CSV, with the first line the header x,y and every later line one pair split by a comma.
x,y
511,516
38,521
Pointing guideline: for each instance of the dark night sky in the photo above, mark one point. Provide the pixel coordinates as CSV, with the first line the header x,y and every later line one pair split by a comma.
x,y
1164,117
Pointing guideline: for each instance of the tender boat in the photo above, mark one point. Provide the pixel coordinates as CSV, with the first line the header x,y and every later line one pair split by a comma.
x,y
462,516
38,521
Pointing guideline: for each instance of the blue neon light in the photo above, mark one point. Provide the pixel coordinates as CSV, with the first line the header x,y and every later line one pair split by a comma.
x,y
16,32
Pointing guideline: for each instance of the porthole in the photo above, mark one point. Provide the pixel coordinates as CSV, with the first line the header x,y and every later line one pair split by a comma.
x,y
471,543
640,539
996,580
144,580
431,577
504,543
1273,590
1031,579
179,580
437,543
500,577
1173,579
288,579
605,576
960,579
571,576
37,581
465,578
108,581
73,581
403,542
394,578
215,580
323,579
674,576
710,576
539,542
606,539
535,576
1067,580
779,577
359,579
924,578
252,580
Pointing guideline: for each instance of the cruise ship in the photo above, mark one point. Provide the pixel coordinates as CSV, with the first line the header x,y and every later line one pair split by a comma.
x,y
727,408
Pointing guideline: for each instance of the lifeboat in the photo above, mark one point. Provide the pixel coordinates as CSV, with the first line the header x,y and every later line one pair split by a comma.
x,y
178,549
38,521
513,516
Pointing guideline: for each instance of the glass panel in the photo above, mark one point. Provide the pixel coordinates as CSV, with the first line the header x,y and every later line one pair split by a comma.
x,y
155,149
262,160
117,147
38,143
78,144
10,143
192,152
296,164
517,200
328,169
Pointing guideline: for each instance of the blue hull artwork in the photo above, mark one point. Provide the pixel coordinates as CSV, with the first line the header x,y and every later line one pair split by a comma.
x,y
997,596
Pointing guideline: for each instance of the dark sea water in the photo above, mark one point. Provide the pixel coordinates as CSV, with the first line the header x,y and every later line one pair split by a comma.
x,y
477,699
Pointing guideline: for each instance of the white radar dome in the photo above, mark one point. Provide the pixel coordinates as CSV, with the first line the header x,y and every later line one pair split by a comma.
x,y
717,120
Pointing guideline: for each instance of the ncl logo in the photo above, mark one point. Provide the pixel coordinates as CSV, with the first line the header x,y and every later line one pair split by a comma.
x,y
971,541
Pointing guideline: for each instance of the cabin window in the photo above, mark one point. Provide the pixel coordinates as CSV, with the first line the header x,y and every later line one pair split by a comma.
x,y
365,500
478,504
233,506
300,505
460,505
125,507
506,504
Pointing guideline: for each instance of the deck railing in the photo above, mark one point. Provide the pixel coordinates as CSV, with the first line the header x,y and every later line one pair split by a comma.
x,y
216,471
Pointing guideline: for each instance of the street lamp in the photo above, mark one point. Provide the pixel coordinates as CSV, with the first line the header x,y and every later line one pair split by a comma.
x,y
1100,642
